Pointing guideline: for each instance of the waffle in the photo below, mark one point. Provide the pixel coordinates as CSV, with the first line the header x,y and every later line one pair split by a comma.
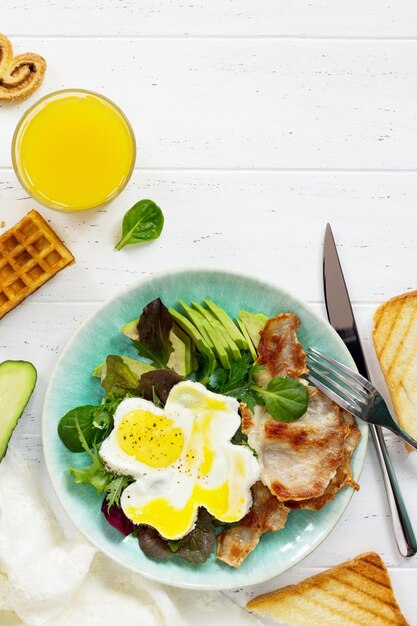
x,y
30,254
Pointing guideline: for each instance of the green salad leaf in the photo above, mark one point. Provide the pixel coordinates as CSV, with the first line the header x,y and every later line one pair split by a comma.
x,y
286,399
95,474
114,490
195,547
159,383
119,379
237,380
154,326
143,222
67,429
94,422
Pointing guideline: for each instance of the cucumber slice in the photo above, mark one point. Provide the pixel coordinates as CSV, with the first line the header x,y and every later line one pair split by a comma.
x,y
17,381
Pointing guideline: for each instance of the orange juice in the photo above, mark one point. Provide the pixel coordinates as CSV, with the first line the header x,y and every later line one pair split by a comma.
x,y
74,150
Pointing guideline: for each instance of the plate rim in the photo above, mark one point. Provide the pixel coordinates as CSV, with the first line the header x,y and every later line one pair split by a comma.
x,y
125,290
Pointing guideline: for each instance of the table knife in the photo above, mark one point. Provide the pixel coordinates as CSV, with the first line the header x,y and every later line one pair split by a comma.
x,y
340,314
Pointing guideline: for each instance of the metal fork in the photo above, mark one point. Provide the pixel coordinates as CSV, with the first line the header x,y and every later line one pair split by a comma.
x,y
352,392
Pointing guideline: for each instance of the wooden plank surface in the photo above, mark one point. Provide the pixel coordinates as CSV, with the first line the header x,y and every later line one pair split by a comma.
x,y
246,103
257,123
236,18
269,224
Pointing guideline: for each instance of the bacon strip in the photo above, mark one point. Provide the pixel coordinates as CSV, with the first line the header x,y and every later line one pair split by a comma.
x,y
343,475
267,513
279,349
297,460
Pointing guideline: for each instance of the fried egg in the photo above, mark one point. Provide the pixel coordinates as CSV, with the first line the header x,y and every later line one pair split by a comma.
x,y
181,458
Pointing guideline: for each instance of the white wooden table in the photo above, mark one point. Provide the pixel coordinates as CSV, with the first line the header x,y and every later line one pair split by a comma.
x,y
257,122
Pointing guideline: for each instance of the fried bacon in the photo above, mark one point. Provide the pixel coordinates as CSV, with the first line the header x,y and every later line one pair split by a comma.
x,y
279,349
267,513
303,464
298,459
343,475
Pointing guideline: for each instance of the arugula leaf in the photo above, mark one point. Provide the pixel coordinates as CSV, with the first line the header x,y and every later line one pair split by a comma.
x,y
114,490
154,327
286,399
95,473
94,421
159,383
143,222
119,378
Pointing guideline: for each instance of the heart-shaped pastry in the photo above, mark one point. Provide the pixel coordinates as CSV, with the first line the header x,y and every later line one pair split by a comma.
x,y
19,75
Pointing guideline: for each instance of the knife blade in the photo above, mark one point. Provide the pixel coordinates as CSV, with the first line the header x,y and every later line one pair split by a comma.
x,y
341,317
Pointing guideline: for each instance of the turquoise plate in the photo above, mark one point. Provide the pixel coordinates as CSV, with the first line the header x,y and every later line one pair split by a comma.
x,y
72,385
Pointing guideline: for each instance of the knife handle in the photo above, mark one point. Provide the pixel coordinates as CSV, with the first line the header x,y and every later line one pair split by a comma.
x,y
403,531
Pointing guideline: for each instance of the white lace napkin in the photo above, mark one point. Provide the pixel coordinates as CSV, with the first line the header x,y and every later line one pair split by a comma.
x,y
47,579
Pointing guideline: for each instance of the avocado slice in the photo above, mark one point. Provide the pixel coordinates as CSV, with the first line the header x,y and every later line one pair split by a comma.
x,y
196,338
228,323
221,332
180,358
17,382
189,361
200,323
130,330
245,333
254,323
207,330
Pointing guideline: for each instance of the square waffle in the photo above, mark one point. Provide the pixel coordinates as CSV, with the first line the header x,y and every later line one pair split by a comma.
x,y
30,254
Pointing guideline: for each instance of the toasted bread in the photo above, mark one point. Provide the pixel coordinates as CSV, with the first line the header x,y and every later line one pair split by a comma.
x,y
355,593
395,340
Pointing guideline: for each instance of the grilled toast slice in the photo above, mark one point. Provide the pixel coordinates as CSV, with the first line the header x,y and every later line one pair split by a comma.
x,y
395,340
355,593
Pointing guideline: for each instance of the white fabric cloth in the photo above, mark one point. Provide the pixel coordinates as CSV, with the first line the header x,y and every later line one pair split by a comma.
x,y
47,579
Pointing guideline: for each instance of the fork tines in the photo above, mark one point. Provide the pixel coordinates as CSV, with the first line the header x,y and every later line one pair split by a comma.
x,y
344,386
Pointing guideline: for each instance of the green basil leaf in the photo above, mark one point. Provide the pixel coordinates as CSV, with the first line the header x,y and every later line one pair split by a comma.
x,y
286,399
143,222
154,327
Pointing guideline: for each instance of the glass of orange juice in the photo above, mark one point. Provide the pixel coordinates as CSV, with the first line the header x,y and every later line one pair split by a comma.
x,y
74,150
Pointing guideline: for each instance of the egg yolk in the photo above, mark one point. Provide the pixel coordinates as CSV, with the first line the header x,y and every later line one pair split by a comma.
x,y
172,522
151,439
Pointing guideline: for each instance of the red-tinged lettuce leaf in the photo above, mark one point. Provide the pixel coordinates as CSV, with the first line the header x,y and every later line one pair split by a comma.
x,y
154,327
153,545
195,547
115,516
159,382
119,379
